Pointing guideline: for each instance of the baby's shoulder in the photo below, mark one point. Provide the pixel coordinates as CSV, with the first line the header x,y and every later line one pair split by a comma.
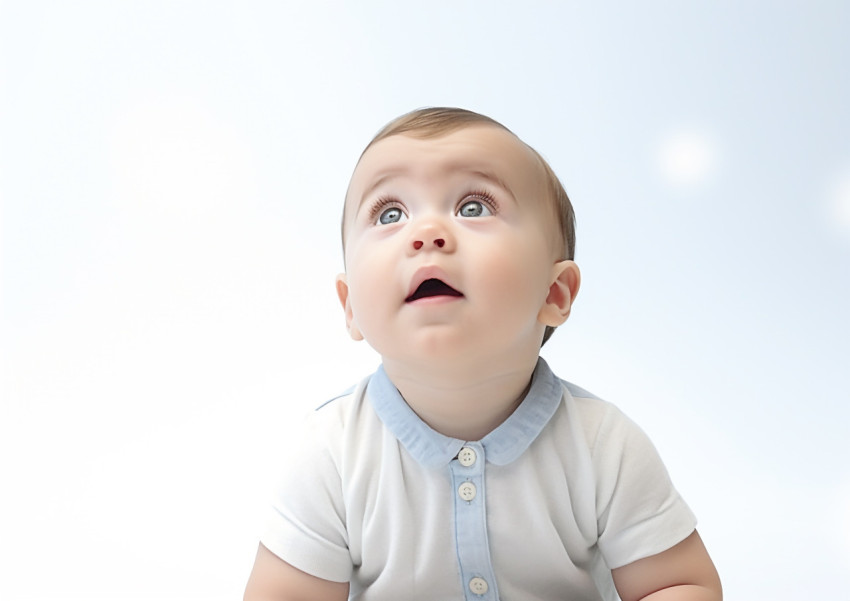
x,y
601,421
342,420
341,408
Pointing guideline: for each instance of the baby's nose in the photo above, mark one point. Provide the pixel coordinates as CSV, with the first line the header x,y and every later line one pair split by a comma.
x,y
438,242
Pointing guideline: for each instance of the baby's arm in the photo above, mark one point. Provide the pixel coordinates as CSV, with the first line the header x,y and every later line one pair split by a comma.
x,y
684,572
272,579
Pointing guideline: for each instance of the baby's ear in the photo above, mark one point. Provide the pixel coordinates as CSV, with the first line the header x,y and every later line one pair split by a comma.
x,y
566,279
342,293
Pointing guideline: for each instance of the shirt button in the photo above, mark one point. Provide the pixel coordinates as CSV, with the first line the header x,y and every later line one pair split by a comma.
x,y
479,586
467,491
467,456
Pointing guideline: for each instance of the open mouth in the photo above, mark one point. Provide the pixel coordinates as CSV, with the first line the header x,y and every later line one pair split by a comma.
x,y
432,287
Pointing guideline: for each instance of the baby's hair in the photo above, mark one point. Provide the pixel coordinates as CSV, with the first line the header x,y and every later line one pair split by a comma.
x,y
436,122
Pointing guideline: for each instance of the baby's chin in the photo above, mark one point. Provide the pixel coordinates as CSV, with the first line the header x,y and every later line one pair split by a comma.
x,y
457,355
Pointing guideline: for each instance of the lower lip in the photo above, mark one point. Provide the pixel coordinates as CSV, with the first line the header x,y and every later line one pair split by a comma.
x,y
434,300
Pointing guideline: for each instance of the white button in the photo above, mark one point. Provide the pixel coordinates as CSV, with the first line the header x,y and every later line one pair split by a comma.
x,y
467,456
467,491
479,586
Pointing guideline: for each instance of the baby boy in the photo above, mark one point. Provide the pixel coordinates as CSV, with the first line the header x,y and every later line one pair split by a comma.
x,y
464,468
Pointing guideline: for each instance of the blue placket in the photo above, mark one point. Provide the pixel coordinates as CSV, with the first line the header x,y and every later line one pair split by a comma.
x,y
473,549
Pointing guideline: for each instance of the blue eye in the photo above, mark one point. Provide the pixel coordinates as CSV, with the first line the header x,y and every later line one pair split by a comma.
x,y
474,208
391,215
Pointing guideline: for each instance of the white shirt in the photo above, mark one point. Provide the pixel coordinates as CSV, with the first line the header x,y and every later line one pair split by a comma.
x,y
542,508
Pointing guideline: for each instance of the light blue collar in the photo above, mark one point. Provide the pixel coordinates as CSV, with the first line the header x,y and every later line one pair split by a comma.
x,y
501,446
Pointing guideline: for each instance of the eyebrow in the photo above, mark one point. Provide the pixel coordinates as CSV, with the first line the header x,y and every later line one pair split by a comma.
x,y
392,173
384,177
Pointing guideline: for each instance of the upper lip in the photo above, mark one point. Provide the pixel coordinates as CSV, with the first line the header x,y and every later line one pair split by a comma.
x,y
429,272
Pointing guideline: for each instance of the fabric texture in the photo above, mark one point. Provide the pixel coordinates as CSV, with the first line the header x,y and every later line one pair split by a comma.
x,y
542,508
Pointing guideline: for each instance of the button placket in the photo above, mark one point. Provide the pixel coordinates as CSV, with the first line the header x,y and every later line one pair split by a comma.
x,y
473,550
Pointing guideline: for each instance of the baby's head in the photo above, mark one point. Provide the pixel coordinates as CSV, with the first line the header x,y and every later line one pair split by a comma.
x,y
450,192
435,122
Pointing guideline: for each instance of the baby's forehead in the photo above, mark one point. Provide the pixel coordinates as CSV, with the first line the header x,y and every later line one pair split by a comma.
x,y
486,150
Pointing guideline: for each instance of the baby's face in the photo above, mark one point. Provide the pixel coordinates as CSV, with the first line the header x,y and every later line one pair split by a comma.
x,y
450,245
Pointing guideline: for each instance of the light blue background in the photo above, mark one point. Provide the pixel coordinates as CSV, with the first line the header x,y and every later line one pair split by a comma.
x,y
172,176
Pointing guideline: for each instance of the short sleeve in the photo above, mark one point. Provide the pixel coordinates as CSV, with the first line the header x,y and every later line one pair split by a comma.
x,y
306,525
639,512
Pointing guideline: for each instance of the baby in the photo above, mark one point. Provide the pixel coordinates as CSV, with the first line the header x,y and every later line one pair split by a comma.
x,y
464,468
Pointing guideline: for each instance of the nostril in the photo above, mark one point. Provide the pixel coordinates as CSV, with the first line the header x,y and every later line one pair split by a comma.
x,y
439,242
417,244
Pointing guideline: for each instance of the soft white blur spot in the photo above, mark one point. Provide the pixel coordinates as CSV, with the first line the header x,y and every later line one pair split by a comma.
x,y
174,156
839,201
687,158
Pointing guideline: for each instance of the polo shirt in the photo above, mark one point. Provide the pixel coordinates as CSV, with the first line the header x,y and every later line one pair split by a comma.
x,y
542,508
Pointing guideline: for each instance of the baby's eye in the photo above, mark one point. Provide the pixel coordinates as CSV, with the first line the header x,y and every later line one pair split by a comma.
x,y
474,208
391,215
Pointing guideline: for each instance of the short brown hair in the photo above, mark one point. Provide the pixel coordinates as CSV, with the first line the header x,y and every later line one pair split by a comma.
x,y
436,122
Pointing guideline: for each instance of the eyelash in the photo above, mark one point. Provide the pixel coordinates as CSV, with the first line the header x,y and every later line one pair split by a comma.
x,y
380,204
479,194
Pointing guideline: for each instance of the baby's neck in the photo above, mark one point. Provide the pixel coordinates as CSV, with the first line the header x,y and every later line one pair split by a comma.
x,y
464,403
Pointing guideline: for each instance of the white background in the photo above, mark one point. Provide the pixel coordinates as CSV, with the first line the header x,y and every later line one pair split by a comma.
x,y
172,178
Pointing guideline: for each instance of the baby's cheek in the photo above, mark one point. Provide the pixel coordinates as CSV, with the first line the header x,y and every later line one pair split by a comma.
x,y
369,303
